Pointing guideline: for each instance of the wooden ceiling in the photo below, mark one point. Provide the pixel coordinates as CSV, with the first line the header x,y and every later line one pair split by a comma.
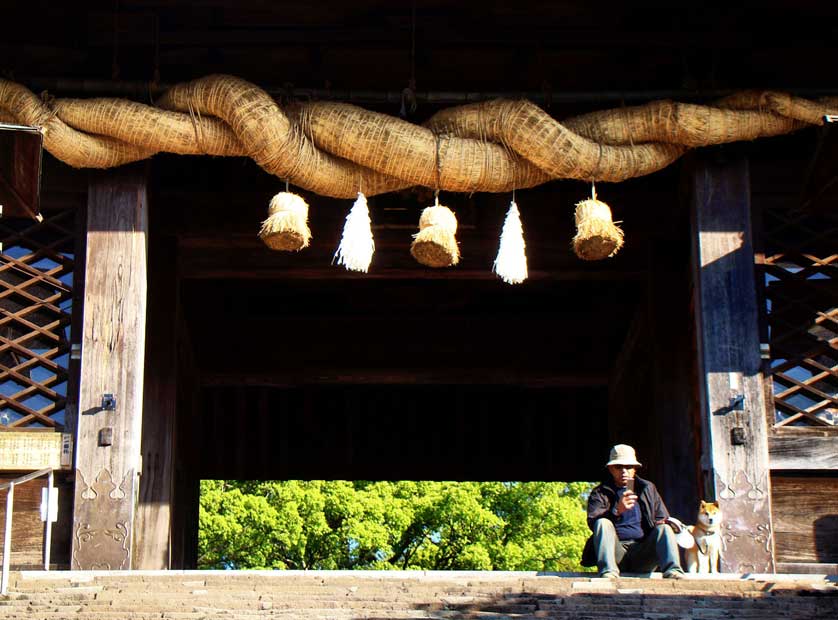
x,y
462,46
548,48
270,319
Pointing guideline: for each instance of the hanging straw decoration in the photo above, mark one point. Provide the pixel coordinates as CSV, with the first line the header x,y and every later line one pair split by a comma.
x,y
286,228
511,262
356,244
435,245
597,236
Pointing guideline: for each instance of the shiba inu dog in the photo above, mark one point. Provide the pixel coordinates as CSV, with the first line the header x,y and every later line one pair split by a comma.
x,y
705,555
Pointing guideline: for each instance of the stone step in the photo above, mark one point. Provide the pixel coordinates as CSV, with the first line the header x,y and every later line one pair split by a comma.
x,y
240,601
404,596
504,580
365,590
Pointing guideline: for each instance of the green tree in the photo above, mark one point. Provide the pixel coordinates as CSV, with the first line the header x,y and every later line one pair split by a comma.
x,y
392,525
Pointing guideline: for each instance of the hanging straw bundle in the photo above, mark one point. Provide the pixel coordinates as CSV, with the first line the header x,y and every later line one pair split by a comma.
x,y
435,245
286,228
597,236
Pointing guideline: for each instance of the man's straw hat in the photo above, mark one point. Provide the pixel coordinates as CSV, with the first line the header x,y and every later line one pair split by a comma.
x,y
621,454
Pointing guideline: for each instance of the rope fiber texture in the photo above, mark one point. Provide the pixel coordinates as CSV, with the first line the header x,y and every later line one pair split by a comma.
x,y
328,147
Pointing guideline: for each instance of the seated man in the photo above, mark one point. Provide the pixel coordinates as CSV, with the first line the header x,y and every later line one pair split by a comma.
x,y
626,515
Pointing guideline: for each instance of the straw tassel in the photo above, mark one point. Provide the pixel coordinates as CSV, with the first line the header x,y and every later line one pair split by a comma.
x,y
511,262
435,245
356,244
286,228
597,236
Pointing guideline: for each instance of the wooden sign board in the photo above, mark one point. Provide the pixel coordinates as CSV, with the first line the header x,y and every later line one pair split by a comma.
x,y
31,451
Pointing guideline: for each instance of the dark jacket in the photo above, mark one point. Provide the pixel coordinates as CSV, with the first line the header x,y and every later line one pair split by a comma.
x,y
601,504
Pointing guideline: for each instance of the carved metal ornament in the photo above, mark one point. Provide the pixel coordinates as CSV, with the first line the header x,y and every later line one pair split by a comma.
x,y
747,544
102,534
742,486
763,536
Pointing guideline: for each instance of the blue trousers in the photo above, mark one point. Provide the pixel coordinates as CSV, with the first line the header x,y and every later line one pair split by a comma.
x,y
658,549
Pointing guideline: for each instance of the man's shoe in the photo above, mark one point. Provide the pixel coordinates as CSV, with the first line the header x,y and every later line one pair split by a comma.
x,y
609,575
675,573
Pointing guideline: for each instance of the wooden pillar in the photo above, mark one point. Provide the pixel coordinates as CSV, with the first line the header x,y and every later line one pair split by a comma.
x,y
189,442
734,426
672,392
152,527
113,348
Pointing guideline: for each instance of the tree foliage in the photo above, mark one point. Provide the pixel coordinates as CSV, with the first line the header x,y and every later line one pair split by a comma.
x,y
392,525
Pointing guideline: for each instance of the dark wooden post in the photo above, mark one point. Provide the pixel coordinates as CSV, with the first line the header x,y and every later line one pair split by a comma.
x,y
671,394
152,544
734,433
113,345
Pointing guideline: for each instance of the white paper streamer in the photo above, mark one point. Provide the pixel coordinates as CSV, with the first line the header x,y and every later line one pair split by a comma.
x,y
356,244
511,262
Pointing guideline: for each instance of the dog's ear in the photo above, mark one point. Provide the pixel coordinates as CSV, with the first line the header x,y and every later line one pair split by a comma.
x,y
702,503
716,503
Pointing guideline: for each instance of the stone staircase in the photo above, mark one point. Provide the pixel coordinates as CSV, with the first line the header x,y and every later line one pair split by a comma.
x,y
340,595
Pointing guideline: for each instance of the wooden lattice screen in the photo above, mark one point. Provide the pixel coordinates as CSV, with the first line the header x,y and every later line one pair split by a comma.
x,y
36,286
800,275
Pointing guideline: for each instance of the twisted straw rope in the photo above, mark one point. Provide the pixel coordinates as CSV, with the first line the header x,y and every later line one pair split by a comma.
x,y
329,148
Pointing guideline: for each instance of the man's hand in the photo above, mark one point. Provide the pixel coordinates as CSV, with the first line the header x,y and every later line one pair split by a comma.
x,y
672,522
627,502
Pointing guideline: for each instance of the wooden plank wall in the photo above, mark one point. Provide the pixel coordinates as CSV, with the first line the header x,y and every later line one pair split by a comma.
x,y
112,362
27,528
805,508
401,432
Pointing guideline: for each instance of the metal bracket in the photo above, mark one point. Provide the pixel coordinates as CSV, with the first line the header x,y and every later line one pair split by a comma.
x,y
105,436
737,436
108,402
737,403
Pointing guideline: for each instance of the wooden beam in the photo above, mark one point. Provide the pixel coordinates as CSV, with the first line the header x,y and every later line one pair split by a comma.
x,y
352,348
440,433
330,272
407,376
113,348
734,438
245,256
806,450
152,544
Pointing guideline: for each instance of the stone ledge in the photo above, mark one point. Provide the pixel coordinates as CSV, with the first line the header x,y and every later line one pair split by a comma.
x,y
479,576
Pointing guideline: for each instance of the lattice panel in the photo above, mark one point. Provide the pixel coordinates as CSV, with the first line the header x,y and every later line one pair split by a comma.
x,y
800,273
36,282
